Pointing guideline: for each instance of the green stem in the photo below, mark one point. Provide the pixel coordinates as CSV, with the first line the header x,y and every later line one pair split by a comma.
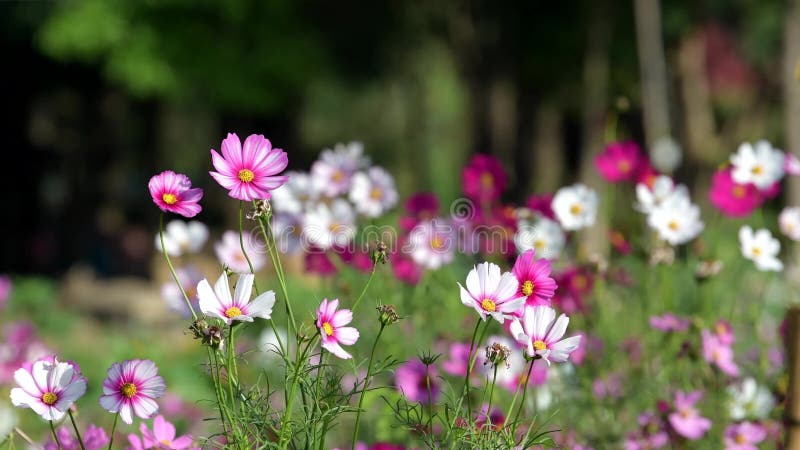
x,y
241,245
171,268
283,441
473,357
215,378
113,429
364,291
524,393
430,397
366,384
75,427
491,397
55,437
269,237
466,385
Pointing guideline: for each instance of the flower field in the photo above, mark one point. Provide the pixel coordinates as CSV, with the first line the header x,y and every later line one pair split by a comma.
x,y
344,313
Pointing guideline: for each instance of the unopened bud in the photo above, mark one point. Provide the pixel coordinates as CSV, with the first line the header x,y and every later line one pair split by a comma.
x,y
387,314
428,358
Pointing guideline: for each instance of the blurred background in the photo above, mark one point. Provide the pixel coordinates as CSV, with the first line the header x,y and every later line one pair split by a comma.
x,y
102,94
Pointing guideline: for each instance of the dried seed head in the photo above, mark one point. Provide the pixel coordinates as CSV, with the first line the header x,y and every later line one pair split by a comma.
x,y
387,314
379,254
497,354
261,208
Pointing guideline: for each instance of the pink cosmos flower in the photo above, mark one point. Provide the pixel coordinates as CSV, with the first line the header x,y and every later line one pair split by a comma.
x,y
542,204
94,438
731,198
229,252
249,172
410,380
48,387
651,435
419,207
217,302
332,329
356,258
131,387
719,354
490,293
18,345
620,161
172,192
317,261
405,269
744,436
686,419
189,276
162,437
791,164
459,359
669,322
724,332
618,241
483,179
533,276
541,333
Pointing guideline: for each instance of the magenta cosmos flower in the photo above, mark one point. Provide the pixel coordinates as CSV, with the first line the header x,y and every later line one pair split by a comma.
x,y
410,379
217,302
172,192
162,436
540,332
620,161
131,388
48,387
744,436
491,293
686,420
670,322
533,275
483,179
249,172
716,352
731,198
332,329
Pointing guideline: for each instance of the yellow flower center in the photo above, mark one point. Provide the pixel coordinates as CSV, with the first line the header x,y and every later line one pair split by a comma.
x,y
128,390
756,251
579,282
337,176
489,305
738,191
49,398
527,288
539,345
487,180
624,166
166,443
169,199
327,328
740,439
437,243
246,175
575,209
757,170
232,312
539,244
673,225
376,193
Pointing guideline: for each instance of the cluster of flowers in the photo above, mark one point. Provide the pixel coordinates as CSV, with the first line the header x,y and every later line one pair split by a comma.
x,y
317,212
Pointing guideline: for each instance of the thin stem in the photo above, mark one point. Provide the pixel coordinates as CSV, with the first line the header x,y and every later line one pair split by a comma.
x,y
473,357
25,438
283,442
491,397
430,399
364,291
269,237
241,245
524,393
171,268
366,384
215,378
55,436
113,428
75,427
466,384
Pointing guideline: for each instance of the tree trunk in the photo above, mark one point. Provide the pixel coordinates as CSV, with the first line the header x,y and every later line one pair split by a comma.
x,y
653,70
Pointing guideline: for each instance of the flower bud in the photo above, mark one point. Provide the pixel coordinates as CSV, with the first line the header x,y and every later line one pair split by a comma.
x,y
387,314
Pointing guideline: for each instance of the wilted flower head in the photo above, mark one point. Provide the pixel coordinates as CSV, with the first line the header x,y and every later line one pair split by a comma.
x,y
497,354
251,171
387,314
172,192
131,387
575,206
48,386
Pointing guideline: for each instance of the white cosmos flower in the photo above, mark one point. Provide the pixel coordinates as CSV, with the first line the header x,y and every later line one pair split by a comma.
x,y
575,206
373,192
540,332
189,276
8,420
544,236
761,248
229,252
648,198
288,229
749,400
335,168
761,165
326,226
181,237
294,195
491,293
666,154
789,222
217,302
432,243
676,219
